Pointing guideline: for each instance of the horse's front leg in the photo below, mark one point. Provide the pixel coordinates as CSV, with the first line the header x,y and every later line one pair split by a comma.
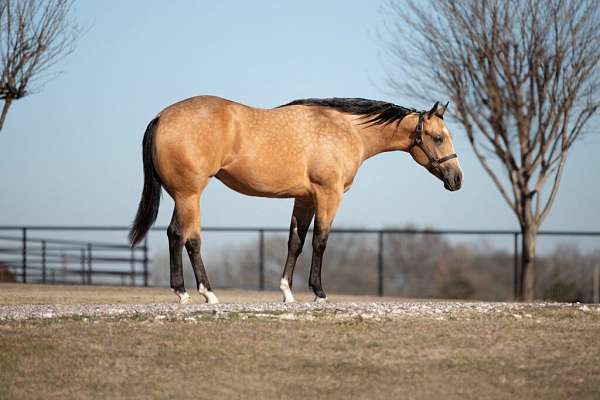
x,y
327,202
301,217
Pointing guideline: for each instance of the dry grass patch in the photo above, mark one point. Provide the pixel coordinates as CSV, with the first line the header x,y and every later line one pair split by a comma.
x,y
18,293
552,355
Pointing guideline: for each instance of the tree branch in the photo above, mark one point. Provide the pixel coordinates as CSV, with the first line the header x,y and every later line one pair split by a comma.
x,y
34,36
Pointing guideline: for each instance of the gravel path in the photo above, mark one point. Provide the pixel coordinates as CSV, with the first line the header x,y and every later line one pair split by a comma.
x,y
376,311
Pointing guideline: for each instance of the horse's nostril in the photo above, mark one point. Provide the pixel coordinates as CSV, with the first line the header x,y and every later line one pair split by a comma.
x,y
454,180
457,178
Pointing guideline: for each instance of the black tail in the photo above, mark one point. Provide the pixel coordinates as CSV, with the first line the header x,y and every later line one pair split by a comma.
x,y
148,208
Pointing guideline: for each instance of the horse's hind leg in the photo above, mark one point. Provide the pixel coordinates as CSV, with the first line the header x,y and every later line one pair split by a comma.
x,y
175,235
188,213
192,246
185,230
301,218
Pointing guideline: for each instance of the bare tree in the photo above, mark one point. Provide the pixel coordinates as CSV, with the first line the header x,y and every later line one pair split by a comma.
x,y
34,36
524,80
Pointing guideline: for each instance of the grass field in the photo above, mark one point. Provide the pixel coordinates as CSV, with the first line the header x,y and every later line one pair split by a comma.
x,y
550,353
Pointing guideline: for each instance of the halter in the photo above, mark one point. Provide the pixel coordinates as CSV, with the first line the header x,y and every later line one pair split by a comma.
x,y
433,163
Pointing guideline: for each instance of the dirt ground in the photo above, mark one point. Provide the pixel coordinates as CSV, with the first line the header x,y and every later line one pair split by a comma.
x,y
505,351
18,293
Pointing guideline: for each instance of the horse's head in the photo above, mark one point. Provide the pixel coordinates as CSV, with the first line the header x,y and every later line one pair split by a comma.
x,y
432,147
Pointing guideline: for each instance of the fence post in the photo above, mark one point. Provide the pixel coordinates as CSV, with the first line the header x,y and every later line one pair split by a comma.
x,y
146,262
515,265
380,263
261,259
83,266
65,267
43,261
24,256
89,262
596,283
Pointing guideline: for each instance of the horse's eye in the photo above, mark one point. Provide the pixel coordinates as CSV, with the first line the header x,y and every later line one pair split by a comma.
x,y
438,139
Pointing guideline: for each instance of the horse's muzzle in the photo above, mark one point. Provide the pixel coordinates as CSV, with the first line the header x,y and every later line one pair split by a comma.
x,y
453,179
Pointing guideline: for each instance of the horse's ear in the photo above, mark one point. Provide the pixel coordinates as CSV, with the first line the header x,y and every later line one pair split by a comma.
x,y
438,110
442,110
433,110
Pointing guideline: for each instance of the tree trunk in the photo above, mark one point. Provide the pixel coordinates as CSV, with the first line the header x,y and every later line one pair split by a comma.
x,y
527,278
5,107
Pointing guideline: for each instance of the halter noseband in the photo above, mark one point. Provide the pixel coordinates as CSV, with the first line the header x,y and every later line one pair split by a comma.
x,y
433,163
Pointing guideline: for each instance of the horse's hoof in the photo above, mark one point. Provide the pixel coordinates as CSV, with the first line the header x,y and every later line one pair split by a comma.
x,y
288,297
320,300
184,298
210,297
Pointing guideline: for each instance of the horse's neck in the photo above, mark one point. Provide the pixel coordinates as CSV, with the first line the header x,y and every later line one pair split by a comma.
x,y
380,139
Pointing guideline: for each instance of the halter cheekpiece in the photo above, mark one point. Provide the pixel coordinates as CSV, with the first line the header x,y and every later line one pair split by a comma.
x,y
434,162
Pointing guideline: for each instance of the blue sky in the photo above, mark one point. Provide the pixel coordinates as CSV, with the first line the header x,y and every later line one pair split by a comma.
x,y
70,154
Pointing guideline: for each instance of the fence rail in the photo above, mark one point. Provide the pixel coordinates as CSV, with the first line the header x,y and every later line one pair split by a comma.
x,y
42,259
68,260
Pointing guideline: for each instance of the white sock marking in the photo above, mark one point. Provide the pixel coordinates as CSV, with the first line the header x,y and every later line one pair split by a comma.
x,y
288,297
320,300
208,295
184,297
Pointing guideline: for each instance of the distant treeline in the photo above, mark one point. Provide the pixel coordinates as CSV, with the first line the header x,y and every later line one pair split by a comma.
x,y
415,266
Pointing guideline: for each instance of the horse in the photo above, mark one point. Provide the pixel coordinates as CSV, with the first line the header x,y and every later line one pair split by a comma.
x,y
309,150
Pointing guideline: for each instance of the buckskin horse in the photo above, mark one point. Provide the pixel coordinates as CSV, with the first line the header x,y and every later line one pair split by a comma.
x,y
309,150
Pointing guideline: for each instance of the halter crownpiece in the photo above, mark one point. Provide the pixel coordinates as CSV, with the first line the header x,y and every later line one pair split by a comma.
x,y
433,162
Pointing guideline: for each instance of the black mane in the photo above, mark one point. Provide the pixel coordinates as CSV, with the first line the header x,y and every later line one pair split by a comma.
x,y
375,112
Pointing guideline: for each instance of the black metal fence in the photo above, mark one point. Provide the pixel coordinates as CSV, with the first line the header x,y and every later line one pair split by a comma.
x,y
32,256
